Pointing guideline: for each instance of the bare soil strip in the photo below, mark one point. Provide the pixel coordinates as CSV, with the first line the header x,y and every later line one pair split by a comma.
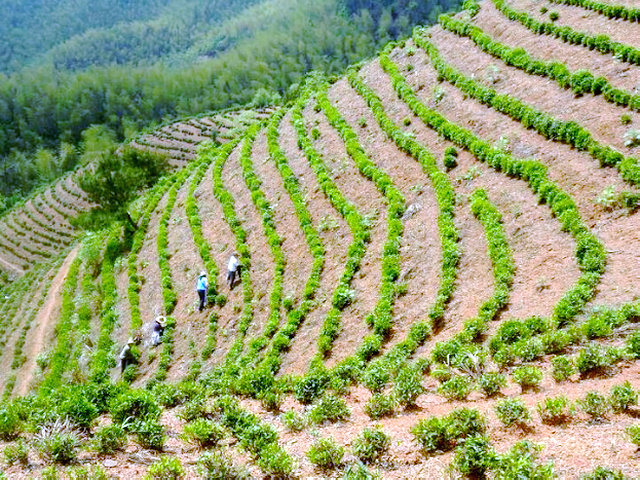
x,y
44,326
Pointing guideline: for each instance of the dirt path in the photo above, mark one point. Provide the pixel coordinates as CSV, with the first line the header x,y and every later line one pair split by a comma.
x,y
45,322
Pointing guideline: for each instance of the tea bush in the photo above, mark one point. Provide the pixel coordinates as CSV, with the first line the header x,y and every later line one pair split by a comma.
x,y
528,377
442,434
520,462
408,386
132,406
555,410
371,444
623,397
16,453
329,409
167,468
204,433
634,434
602,473
594,359
562,367
474,457
293,421
513,411
457,388
376,375
326,453
218,466
595,405
10,424
492,383
109,439
149,434
379,405
275,462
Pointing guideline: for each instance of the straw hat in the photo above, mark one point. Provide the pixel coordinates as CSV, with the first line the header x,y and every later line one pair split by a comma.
x,y
203,273
161,320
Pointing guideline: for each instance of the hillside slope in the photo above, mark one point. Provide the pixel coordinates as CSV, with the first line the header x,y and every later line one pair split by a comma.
x,y
450,226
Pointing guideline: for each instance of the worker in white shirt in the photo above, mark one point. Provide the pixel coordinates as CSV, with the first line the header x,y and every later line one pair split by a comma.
x,y
232,269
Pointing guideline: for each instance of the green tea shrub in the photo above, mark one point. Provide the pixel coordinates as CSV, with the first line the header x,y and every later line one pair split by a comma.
x,y
329,409
94,472
474,457
326,453
528,377
491,383
167,468
133,406
562,367
197,407
595,405
204,433
293,421
10,424
275,462
603,473
633,344
271,400
442,434
441,372
150,434
379,405
623,397
218,466
359,471
371,444
16,453
634,434
457,388
513,411
520,462
168,394
555,410
310,387
408,386
49,473
377,375
109,439
593,360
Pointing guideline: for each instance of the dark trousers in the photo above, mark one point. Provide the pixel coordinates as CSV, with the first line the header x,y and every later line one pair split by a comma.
x,y
203,296
231,277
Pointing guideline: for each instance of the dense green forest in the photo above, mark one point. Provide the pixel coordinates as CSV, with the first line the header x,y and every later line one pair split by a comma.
x,y
169,59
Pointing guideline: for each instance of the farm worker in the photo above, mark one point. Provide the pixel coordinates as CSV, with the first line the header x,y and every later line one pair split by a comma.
x,y
126,356
232,269
203,285
158,330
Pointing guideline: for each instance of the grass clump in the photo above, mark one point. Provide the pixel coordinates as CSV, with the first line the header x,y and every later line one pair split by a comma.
x,y
329,408
528,377
58,442
167,468
603,473
371,444
326,453
513,412
555,410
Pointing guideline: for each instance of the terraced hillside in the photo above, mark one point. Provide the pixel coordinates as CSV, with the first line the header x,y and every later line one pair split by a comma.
x,y
441,275
40,228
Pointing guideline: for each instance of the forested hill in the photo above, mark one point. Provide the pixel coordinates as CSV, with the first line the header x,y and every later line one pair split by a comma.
x,y
127,65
